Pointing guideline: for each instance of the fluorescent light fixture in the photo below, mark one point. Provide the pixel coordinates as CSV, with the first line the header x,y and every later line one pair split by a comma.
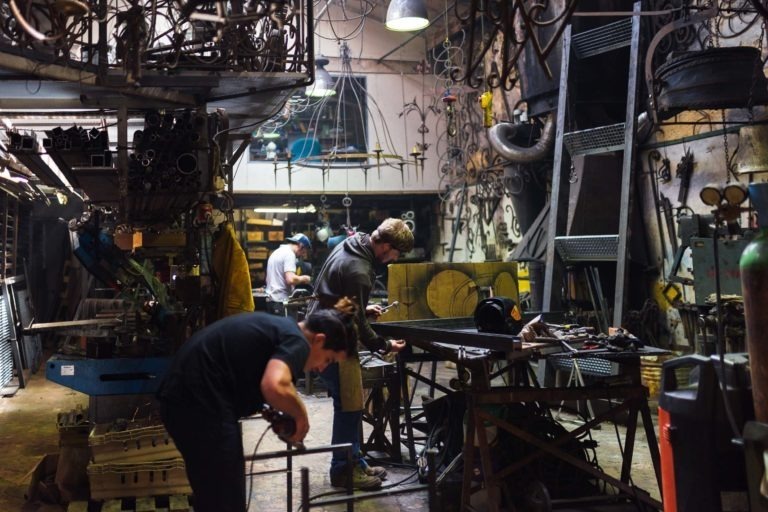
x,y
280,209
406,15
323,85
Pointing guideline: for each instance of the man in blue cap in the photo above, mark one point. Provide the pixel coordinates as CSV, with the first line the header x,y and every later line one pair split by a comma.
x,y
281,271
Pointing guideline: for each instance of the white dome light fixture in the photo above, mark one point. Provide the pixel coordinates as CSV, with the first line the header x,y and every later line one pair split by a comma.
x,y
406,15
323,85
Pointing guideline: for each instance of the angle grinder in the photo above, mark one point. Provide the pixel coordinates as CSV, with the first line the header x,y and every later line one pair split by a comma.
x,y
282,424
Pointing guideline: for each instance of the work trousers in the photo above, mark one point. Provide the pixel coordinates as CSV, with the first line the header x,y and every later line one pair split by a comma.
x,y
346,424
212,448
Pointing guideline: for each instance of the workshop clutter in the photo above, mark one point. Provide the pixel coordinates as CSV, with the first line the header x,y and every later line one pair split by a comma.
x,y
78,146
142,479
136,458
71,478
170,162
650,373
136,441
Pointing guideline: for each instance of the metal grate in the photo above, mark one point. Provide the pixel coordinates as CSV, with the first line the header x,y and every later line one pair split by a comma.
x,y
587,248
6,351
33,350
588,365
595,140
602,39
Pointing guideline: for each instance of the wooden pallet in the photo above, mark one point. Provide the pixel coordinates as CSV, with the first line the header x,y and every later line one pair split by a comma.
x,y
175,503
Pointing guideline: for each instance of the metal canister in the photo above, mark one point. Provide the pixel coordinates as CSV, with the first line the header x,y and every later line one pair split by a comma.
x,y
754,281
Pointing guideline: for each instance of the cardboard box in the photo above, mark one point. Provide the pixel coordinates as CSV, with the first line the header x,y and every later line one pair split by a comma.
x,y
264,222
42,487
129,241
168,239
259,253
275,236
446,290
254,236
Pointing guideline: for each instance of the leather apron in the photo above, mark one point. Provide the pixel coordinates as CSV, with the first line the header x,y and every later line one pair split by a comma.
x,y
351,385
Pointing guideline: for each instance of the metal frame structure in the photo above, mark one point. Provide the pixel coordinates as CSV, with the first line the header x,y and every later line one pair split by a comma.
x,y
595,141
349,497
480,355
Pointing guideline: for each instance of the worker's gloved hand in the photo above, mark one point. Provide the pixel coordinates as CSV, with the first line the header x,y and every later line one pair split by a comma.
x,y
373,311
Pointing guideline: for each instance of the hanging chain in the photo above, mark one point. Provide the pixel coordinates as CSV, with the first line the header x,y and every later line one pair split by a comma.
x,y
572,176
728,164
709,42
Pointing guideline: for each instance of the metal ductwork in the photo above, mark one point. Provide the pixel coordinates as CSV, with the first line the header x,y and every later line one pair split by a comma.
x,y
501,136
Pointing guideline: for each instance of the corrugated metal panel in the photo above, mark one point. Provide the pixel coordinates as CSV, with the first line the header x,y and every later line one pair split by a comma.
x,y
6,354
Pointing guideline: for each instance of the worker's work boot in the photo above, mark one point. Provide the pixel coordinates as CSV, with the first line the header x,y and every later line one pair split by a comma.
x,y
360,480
377,471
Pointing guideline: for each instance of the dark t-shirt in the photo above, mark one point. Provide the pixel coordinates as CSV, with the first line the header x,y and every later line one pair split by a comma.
x,y
219,369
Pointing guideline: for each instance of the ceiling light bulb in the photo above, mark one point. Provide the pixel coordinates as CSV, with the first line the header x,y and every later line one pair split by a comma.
x,y
323,85
406,15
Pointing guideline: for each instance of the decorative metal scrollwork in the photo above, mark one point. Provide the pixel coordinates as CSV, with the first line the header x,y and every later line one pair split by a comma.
x,y
249,36
517,22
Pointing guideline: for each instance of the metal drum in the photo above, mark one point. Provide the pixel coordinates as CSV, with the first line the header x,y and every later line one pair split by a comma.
x,y
713,78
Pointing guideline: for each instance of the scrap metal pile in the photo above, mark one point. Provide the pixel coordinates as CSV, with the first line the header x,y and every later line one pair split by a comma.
x,y
169,164
575,338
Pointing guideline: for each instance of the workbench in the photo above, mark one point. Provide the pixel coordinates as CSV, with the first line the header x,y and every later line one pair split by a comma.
x,y
492,358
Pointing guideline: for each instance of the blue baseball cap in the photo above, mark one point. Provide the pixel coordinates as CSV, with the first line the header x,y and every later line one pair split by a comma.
x,y
300,239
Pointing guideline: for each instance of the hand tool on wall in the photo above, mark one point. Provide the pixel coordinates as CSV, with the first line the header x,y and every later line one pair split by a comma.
x,y
684,171
652,172
669,220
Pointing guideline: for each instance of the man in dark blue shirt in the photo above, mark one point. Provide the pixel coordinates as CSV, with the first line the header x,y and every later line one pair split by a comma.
x,y
228,371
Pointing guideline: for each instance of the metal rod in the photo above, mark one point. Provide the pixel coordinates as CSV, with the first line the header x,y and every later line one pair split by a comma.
x,y
457,222
304,489
289,479
325,8
432,479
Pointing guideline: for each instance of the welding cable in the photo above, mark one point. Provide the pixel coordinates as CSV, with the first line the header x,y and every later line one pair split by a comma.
x,y
383,487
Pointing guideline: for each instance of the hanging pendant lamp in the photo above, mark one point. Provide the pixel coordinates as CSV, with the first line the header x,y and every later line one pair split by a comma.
x,y
406,15
323,85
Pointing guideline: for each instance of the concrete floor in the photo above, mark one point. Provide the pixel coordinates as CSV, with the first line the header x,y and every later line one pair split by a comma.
x,y
28,431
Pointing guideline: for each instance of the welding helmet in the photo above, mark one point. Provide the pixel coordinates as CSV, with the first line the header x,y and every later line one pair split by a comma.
x,y
500,315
